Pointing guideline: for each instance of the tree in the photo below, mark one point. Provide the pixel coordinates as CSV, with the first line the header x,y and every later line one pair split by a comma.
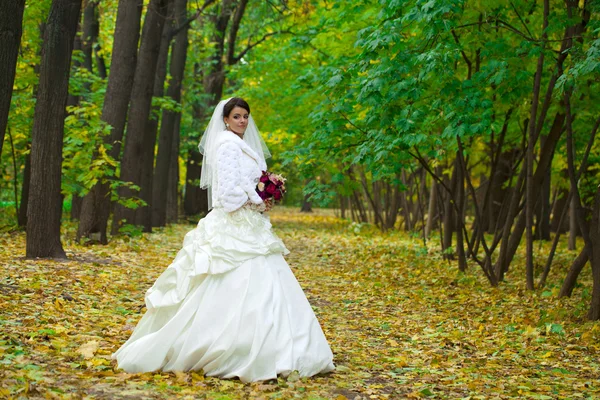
x,y
45,200
138,152
11,18
95,209
169,120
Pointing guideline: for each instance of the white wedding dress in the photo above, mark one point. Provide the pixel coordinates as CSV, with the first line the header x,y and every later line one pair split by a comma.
x,y
228,305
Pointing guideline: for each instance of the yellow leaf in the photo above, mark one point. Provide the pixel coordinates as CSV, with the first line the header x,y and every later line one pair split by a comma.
x,y
58,304
87,350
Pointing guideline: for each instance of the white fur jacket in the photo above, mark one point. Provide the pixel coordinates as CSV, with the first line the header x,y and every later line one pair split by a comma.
x,y
238,170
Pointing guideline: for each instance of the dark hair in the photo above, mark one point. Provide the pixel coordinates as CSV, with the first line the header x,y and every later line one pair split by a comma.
x,y
235,102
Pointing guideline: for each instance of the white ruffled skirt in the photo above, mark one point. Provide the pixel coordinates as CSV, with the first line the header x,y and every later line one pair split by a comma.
x,y
228,305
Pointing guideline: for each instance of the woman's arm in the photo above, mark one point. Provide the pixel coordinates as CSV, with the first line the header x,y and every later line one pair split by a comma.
x,y
230,193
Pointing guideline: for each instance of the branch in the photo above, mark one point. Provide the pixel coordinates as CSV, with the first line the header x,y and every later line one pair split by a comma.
x,y
191,19
250,46
463,54
520,19
235,26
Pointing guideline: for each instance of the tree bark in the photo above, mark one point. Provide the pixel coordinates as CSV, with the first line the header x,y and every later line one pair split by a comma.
x,y
531,143
569,283
22,217
306,205
572,224
449,217
89,33
594,312
169,119
461,171
45,199
195,200
431,208
542,209
138,153
95,209
11,19
560,203
173,182
511,240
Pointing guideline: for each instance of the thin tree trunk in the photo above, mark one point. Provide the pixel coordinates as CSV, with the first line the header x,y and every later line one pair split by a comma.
x,y
22,217
45,199
85,43
431,209
560,204
569,283
306,205
95,209
582,167
89,33
165,142
510,240
542,210
529,186
159,91
460,215
11,19
594,311
173,183
572,225
449,217
138,152
195,200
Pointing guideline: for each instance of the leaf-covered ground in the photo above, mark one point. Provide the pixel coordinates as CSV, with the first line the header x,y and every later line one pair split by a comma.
x,y
402,323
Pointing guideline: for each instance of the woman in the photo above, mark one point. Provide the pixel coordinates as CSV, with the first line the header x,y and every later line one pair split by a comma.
x,y
229,303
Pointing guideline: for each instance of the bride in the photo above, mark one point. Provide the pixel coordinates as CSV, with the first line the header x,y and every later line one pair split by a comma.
x,y
229,304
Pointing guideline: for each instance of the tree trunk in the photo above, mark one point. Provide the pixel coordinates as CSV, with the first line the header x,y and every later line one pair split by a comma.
x,y
511,240
431,209
11,19
159,83
89,33
572,224
22,217
173,182
196,199
306,205
449,217
84,42
95,209
560,203
542,209
76,202
531,143
138,153
569,283
45,199
169,119
594,312
460,215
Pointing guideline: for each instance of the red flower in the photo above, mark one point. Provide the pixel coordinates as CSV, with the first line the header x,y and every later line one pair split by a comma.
x,y
271,189
277,195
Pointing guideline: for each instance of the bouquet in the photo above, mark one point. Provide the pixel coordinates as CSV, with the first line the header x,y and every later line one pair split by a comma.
x,y
271,186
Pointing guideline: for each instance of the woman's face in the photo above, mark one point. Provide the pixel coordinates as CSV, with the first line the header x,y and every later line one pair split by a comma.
x,y
237,120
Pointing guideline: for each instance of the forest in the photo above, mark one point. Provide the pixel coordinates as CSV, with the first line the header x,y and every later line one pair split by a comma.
x,y
465,131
